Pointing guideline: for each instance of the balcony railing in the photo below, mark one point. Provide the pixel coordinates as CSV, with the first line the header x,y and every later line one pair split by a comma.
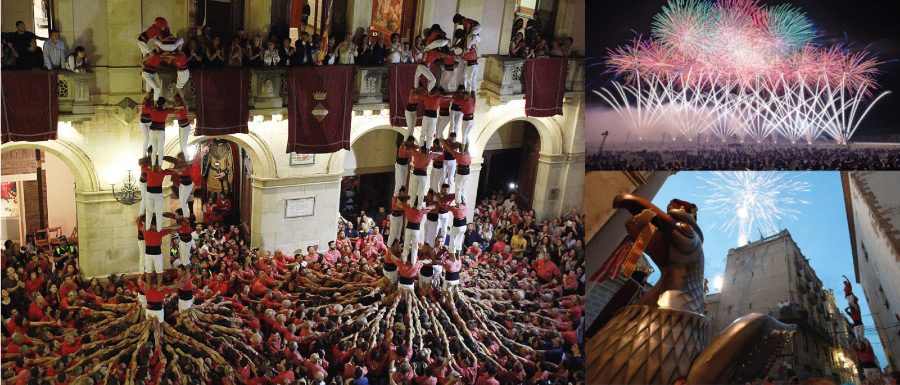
x,y
503,81
504,78
75,93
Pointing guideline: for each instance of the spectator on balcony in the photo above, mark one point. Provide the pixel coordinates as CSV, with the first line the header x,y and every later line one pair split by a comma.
x,y
330,51
236,53
205,37
364,53
316,42
214,54
304,54
562,47
346,51
21,38
241,35
54,52
286,52
270,56
9,54
379,51
395,50
77,61
406,54
542,49
194,54
516,45
254,52
32,57
418,48
517,27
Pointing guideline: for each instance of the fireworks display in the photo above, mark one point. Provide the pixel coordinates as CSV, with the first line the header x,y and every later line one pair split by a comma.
x,y
740,69
753,200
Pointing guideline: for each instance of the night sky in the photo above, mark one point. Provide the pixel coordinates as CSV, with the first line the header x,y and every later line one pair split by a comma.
x,y
866,23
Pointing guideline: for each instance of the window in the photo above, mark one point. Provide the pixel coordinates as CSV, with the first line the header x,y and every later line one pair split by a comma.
x,y
751,273
751,305
865,253
806,347
808,369
733,281
729,310
887,304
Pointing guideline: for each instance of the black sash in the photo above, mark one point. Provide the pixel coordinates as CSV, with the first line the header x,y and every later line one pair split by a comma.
x,y
459,222
451,276
154,189
389,267
413,225
420,172
153,250
154,305
185,295
407,281
427,271
432,217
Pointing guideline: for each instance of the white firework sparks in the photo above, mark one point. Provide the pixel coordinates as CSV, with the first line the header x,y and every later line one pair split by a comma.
x,y
752,200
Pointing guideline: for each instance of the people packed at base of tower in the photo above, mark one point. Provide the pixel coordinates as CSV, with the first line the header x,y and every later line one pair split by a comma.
x,y
748,158
332,315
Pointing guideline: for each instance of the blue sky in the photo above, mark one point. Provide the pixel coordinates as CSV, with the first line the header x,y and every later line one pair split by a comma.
x,y
820,231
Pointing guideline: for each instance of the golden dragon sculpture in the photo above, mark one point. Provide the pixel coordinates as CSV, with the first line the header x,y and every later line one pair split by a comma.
x,y
664,337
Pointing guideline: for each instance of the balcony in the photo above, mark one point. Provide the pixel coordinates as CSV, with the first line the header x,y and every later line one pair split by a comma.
x,y
74,93
796,314
504,78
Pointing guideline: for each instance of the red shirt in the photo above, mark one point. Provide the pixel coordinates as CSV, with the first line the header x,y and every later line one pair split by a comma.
x,y
155,178
470,55
413,214
431,57
409,270
433,102
158,117
36,313
150,33
66,348
181,115
156,295
421,161
154,238
459,212
466,105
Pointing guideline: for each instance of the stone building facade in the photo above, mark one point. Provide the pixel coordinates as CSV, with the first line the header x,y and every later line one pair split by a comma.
x,y
873,214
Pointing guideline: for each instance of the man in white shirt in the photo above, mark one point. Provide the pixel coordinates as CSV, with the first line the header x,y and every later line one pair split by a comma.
x,y
508,203
54,52
346,51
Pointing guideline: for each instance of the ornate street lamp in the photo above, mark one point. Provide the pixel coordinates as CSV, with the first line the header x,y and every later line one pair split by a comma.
x,y
130,193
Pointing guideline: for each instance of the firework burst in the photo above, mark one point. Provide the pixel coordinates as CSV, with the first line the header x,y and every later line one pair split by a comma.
x,y
740,58
752,200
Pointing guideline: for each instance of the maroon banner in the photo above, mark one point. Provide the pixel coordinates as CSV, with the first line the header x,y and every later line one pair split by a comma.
x,y
30,106
320,103
223,101
545,85
400,83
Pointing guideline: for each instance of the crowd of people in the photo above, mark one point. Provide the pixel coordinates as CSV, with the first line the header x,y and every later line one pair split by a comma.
x,y
22,52
748,158
528,41
335,316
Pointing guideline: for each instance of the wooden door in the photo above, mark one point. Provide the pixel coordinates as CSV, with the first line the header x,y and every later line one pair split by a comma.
x,y
280,19
531,152
245,193
219,17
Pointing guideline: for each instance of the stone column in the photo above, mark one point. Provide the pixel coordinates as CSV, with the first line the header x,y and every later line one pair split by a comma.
x,y
270,229
107,240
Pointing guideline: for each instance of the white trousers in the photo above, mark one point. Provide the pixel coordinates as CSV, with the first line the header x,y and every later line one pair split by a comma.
x,y
457,235
472,77
455,119
474,36
151,84
448,284
859,330
154,208
184,195
426,137
184,305
396,228
142,299
444,221
142,247
417,186
184,251
183,76
461,181
153,263
145,131
143,209
183,133
442,121
391,275
421,70
411,243
424,279
448,81
400,173
437,43
410,123
437,177
158,141
463,135
160,315
407,287
431,230
450,172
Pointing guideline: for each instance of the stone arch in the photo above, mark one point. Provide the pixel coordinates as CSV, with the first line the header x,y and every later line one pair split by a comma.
x,y
86,177
548,128
258,150
362,127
